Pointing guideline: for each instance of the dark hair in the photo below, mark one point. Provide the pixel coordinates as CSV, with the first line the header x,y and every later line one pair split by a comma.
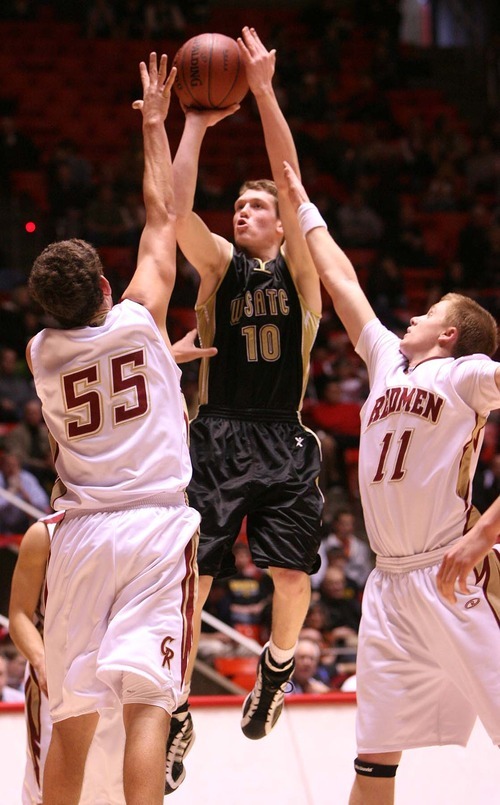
x,y
65,281
477,329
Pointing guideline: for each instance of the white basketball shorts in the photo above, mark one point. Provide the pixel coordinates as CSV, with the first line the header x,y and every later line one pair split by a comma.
x,y
426,668
120,597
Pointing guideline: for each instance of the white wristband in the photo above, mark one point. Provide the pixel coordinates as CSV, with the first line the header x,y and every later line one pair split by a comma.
x,y
309,217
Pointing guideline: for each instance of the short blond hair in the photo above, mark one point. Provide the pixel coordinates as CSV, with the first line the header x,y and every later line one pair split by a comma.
x,y
266,185
477,328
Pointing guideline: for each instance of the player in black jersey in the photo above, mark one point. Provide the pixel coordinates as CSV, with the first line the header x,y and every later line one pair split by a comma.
x,y
259,303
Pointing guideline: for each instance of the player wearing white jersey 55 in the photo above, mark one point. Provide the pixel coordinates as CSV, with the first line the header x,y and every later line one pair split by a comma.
x,y
121,578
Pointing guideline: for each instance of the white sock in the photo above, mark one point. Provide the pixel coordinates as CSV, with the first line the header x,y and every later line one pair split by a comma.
x,y
281,656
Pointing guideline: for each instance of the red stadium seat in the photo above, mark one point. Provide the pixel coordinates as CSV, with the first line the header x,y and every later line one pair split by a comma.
x,y
240,670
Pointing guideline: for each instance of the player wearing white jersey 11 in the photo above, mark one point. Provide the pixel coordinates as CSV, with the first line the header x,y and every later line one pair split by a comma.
x,y
426,668
121,578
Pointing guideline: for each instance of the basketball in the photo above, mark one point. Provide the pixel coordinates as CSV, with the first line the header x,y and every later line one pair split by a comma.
x,y
210,72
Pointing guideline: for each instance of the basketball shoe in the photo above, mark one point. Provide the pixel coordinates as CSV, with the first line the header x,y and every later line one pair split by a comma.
x,y
179,743
263,705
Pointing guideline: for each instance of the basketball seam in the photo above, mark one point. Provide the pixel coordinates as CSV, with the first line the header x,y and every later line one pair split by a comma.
x,y
186,82
234,82
209,73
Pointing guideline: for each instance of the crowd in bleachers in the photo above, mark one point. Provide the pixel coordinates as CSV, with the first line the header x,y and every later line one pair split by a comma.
x,y
409,188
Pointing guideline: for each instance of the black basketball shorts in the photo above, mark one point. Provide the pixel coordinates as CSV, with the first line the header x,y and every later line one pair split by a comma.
x,y
266,471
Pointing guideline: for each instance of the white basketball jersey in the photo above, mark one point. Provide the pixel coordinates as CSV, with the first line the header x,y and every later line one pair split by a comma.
x,y
112,402
421,434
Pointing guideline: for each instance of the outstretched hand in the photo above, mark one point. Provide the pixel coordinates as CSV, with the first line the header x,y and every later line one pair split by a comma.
x,y
296,189
185,349
259,62
157,87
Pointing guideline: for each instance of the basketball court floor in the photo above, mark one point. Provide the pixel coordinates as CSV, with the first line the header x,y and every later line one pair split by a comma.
x,y
306,760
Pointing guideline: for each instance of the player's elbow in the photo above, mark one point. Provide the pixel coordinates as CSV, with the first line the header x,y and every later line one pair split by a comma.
x,y
161,214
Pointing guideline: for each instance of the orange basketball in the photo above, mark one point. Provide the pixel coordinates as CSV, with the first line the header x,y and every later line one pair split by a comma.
x,y
210,73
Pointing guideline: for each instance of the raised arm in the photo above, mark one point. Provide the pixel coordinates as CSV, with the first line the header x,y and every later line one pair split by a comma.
x,y
206,251
154,276
260,66
332,264
27,585
460,560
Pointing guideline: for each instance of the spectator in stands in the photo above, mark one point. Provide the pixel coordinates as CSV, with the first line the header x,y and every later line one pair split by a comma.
x,y
309,99
317,617
386,66
474,247
242,602
452,281
482,166
8,694
385,288
20,319
163,19
354,550
405,240
69,181
66,202
340,597
16,666
26,487
352,377
103,219
358,225
67,152
367,103
246,602
340,421
443,192
307,658
15,388
323,366
100,21
338,646
133,216
29,439
416,164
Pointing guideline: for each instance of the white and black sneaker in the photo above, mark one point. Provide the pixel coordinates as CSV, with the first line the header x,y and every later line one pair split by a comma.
x,y
179,743
263,705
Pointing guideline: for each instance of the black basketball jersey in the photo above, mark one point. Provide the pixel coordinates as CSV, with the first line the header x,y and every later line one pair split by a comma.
x,y
263,333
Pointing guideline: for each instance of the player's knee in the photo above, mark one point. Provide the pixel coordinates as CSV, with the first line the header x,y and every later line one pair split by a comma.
x,y
290,581
137,689
367,769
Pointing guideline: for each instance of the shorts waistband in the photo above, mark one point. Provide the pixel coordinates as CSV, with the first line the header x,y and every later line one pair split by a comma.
x,y
403,564
249,414
163,499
